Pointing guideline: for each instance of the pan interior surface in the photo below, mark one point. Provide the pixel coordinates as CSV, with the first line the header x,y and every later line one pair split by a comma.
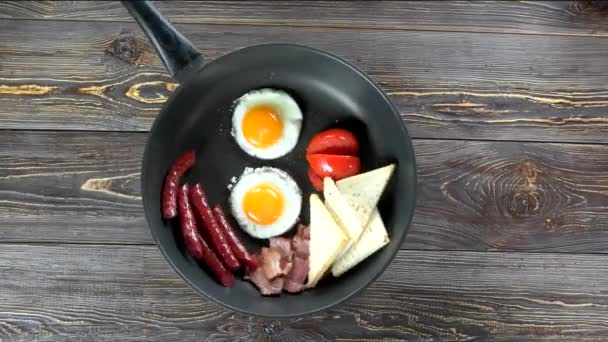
x,y
330,93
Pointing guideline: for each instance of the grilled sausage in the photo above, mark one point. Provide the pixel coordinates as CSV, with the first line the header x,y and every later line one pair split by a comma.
x,y
195,244
215,234
170,187
235,244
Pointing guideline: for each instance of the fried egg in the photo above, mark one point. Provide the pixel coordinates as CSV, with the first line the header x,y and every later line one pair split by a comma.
x,y
266,123
266,202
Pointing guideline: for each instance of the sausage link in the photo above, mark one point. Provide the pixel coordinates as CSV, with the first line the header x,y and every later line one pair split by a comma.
x,y
215,234
195,244
170,187
188,224
223,276
235,244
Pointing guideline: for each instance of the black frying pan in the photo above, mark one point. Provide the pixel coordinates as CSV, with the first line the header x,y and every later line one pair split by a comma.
x,y
330,92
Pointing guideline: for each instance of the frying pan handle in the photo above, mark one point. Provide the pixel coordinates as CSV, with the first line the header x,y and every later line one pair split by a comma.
x,y
177,53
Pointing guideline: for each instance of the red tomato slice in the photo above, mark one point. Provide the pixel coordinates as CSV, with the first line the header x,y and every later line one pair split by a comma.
x,y
334,141
316,181
335,167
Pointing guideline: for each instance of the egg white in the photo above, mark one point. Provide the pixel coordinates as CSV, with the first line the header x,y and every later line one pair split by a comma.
x,y
286,108
292,197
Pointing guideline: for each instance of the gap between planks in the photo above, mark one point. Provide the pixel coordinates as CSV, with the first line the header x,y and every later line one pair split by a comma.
x,y
523,141
153,245
326,26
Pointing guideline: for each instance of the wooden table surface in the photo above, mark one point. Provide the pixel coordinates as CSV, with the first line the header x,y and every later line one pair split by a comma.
x,y
507,103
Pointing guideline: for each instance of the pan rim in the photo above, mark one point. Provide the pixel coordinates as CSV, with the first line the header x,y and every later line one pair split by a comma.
x,y
408,146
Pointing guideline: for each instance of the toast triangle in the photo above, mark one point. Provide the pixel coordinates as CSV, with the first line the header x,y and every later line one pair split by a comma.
x,y
364,190
327,240
346,217
373,238
362,193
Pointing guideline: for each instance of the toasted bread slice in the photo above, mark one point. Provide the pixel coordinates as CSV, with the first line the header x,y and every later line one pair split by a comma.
x,y
346,217
363,191
327,240
373,238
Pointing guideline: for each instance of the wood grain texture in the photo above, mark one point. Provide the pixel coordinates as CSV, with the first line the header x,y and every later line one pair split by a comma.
x,y
105,293
105,76
583,17
71,187
492,70
505,196
511,196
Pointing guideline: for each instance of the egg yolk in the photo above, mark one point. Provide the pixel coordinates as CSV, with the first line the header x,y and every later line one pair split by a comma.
x,y
263,204
262,126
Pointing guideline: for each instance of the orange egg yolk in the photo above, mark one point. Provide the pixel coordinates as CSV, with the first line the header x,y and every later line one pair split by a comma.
x,y
263,204
262,126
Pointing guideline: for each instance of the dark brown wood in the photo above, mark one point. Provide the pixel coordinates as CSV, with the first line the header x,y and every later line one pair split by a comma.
x,y
84,187
66,187
582,17
106,293
105,76
76,260
511,196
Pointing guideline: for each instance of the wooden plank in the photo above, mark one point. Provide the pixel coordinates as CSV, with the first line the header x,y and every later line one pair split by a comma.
x,y
66,292
105,76
81,187
583,17
511,196
79,292
84,187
